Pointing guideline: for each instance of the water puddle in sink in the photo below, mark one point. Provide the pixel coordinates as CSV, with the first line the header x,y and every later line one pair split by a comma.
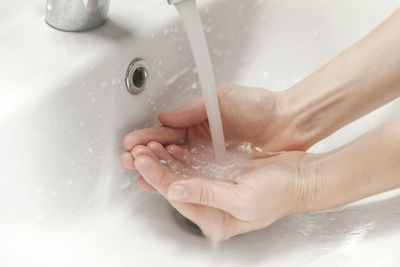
x,y
191,20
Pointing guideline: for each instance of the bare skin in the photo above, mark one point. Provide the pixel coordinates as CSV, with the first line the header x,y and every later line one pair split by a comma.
x,y
275,187
359,80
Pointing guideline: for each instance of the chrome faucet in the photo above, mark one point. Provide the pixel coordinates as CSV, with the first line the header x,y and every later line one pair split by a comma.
x,y
76,15
79,15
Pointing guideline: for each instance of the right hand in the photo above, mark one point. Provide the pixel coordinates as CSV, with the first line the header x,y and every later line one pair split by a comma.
x,y
252,115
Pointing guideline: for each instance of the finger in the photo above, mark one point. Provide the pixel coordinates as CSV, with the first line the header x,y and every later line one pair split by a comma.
x,y
181,154
163,135
160,151
143,151
145,186
155,173
140,151
188,115
191,113
127,161
222,195
175,165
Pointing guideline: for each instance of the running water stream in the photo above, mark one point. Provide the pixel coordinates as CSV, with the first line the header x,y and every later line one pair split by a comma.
x,y
191,20
194,30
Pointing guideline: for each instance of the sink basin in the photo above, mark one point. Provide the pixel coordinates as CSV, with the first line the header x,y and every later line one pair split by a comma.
x,y
64,109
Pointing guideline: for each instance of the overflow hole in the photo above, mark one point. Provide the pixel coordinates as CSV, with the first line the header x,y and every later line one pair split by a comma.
x,y
139,76
136,76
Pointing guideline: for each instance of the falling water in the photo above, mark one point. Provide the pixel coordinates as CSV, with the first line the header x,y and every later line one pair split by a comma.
x,y
191,20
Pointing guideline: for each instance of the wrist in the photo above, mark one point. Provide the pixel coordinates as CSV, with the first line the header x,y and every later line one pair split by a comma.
x,y
365,167
310,181
318,105
300,122
330,180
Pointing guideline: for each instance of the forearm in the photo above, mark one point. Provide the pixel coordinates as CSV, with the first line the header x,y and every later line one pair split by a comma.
x,y
365,167
359,80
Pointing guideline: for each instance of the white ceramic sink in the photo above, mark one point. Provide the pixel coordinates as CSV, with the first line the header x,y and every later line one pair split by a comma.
x,y
64,109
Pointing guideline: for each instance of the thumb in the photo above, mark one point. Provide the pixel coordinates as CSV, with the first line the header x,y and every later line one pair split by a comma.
x,y
188,115
208,192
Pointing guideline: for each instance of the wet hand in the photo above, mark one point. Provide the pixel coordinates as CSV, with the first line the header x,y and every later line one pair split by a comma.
x,y
249,115
268,190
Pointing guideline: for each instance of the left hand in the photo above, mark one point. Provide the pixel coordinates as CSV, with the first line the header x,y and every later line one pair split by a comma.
x,y
272,188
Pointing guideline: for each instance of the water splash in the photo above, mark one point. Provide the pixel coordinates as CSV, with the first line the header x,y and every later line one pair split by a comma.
x,y
201,163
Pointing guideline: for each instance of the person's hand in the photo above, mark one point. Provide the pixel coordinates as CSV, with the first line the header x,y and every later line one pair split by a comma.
x,y
249,115
268,190
271,188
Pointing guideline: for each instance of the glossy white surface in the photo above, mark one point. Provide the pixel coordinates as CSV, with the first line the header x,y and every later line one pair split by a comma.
x,y
64,199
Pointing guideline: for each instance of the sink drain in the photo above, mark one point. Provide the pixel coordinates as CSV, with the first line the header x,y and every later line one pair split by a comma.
x,y
136,76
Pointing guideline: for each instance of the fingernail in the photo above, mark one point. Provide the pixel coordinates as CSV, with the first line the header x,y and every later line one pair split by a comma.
x,y
178,193
136,151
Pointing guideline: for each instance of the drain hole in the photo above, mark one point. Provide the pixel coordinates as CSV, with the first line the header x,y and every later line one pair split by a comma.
x,y
139,77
